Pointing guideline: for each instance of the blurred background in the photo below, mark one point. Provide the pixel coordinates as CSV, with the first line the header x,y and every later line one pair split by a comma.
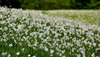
x,y
51,4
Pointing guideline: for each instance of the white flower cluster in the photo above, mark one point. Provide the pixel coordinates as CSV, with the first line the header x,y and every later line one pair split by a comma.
x,y
28,33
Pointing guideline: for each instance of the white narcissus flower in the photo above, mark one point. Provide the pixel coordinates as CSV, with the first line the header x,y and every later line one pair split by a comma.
x,y
63,51
64,56
78,55
17,53
46,49
5,40
10,45
99,45
94,44
4,53
23,49
51,51
29,55
5,28
33,56
2,22
93,54
9,55
60,54
20,27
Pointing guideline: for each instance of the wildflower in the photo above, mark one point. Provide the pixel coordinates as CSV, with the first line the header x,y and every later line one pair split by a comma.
x,y
80,36
2,22
63,56
51,51
5,28
89,46
93,54
60,54
9,55
63,51
46,49
33,56
29,55
10,45
5,40
94,44
17,53
23,49
35,26
4,53
78,55
20,27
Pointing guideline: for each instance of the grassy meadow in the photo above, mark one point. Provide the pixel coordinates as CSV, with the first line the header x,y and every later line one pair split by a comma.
x,y
84,16
55,33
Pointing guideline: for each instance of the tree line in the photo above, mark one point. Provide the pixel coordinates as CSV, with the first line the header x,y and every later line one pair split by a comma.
x,y
51,4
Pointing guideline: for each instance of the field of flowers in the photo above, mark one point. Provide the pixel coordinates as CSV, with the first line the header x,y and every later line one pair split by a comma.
x,y
85,16
29,33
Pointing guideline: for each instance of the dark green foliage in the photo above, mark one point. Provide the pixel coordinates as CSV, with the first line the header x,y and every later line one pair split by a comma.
x,y
10,3
51,4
